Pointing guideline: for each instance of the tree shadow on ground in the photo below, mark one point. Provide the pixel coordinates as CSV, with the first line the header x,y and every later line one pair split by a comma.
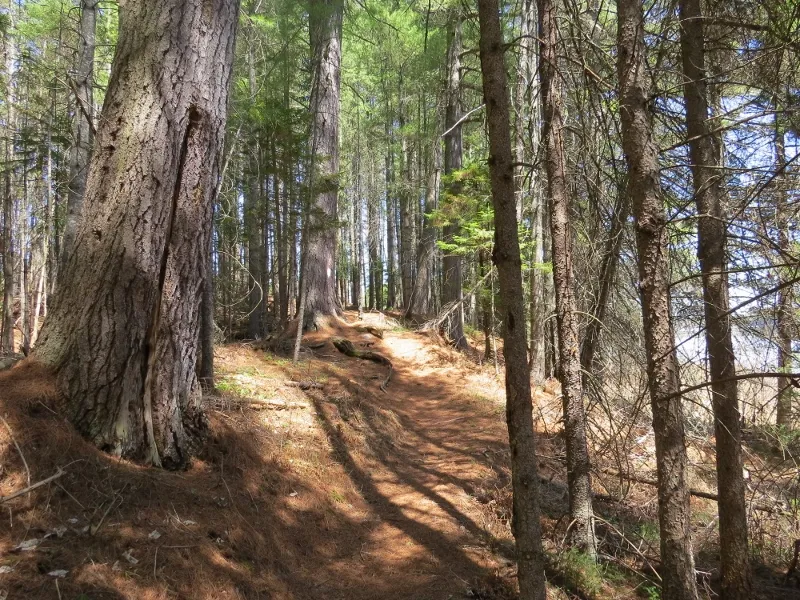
x,y
242,522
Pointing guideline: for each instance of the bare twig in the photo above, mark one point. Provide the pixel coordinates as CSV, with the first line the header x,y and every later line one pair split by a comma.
x,y
30,488
21,455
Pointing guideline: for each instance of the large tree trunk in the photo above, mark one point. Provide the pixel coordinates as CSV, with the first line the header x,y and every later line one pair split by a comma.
x,y
704,153
644,192
525,481
578,481
451,263
82,123
319,276
123,333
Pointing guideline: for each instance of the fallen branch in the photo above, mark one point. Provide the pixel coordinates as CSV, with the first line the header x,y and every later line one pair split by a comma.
x,y
19,450
30,488
347,348
271,404
693,492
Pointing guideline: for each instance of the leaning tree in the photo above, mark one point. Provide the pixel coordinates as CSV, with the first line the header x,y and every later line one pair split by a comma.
x,y
122,336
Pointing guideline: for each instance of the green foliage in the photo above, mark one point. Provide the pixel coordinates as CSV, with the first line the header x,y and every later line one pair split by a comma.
x,y
582,573
651,592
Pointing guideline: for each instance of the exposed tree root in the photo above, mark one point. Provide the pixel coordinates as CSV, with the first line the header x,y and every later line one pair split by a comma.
x,y
346,347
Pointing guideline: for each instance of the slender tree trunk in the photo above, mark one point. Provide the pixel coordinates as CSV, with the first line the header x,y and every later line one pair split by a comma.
x,y
645,196
578,480
709,193
406,217
451,263
375,267
126,360
487,311
325,25
391,297
7,325
525,481
608,271
82,123
256,260
784,320
421,301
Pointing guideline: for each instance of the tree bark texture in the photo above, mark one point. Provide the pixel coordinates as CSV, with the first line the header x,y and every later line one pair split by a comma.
x,y
644,192
82,124
451,263
123,333
578,480
709,193
525,481
9,258
421,299
325,25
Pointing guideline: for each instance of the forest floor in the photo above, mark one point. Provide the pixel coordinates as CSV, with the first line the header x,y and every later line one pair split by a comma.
x,y
340,491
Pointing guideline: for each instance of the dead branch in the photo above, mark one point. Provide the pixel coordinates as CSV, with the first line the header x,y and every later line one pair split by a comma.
x,y
693,492
450,308
19,450
30,488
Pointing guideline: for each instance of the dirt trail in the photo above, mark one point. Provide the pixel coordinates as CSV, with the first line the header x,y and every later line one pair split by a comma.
x,y
350,493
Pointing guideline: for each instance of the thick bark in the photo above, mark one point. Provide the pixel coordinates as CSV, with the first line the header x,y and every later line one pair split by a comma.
x,y
525,481
125,360
644,193
451,263
704,153
325,25
82,125
578,481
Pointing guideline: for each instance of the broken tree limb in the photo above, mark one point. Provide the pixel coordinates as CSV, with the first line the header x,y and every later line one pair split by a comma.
x,y
347,348
450,308
304,385
30,488
275,404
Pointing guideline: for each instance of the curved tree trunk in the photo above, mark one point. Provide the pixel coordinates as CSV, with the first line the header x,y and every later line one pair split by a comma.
x,y
644,192
519,410
123,333
578,480
319,277
704,152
